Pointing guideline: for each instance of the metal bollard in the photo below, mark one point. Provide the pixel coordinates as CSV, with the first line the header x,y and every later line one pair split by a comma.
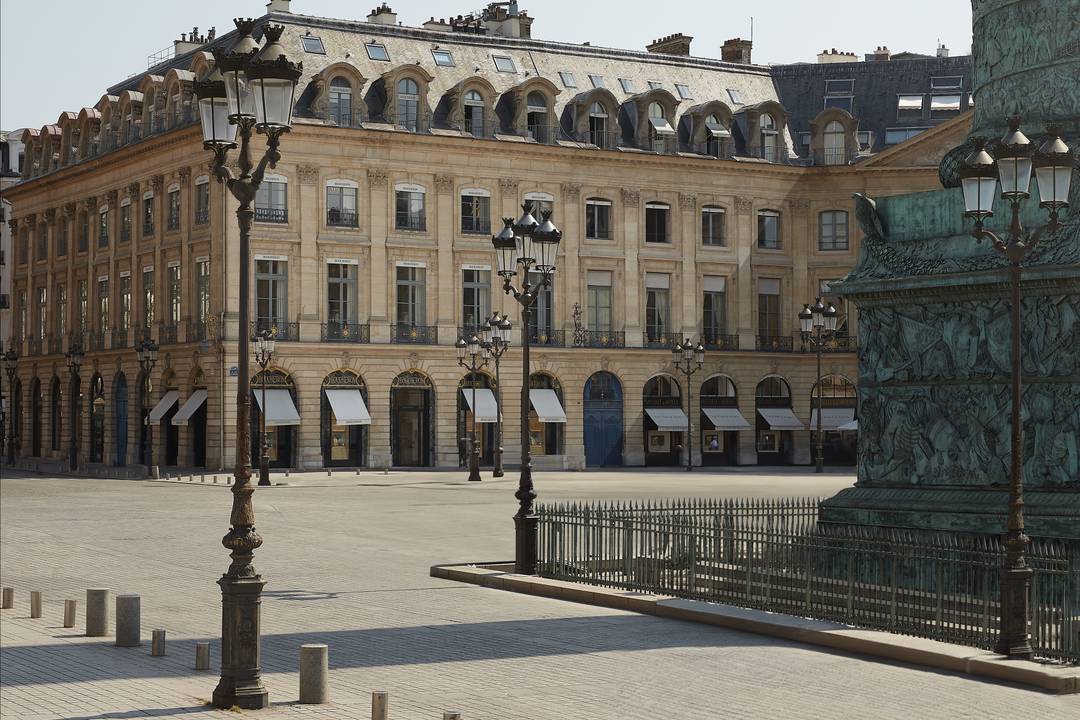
x,y
380,705
128,620
451,715
69,613
314,668
202,656
97,612
157,643
35,603
8,599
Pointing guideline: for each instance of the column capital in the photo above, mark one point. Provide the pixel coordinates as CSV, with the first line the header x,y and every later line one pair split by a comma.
x,y
630,198
376,177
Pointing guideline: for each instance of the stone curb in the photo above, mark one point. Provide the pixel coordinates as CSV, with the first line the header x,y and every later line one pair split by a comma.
x,y
900,648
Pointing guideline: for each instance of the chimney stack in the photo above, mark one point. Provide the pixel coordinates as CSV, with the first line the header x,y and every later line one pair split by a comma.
x,y
382,15
881,54
835,56
281,6
942,51
676,44
736,50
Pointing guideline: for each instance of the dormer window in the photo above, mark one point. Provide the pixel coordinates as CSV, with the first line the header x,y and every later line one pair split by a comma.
x,y
443,58
340,102
717,137
770,138
843,103
568,79
835,142
504,63
537,117
627,86
474,113
942,105
909,107
660,129
839,87
408,104
598,126
597,81
684,91
950,82
377,51
312,44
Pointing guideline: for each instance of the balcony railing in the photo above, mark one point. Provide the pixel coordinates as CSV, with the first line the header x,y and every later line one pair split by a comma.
x,y
336,118
777,154
543,337
418,124
167,334
844,344
467,331
197,331
410,221
148,229
832,156
202,215
103,240
125,234
659,340
663,145
96,340
717,341
281,331
602,140
345,332
271,215
600,339
341,218
119,338
33,346
56,344
545,134
774,343
173,223
475,225
415,334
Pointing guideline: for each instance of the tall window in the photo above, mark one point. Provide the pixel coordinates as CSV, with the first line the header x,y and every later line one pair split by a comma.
x,y
833,230
341,102
768,307
656,223
125,223
341,206
270,202
768,230
174,210
408,105
598,300
83,302
202,290
537,117
148,216
475,299
659,128
123,322
409,213
148,300
657,307
103,306
103,228
475,214
598,127
24,246
174,290
271,293
84,232
42,242
713,309
770,138
340,296
60,316
202,203
43,312
411,296
20,319
541,322
62,237
835,145
541,203
712,226
474,113
597,219
717,137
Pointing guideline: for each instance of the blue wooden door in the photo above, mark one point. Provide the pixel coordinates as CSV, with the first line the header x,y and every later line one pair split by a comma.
x,y
603,420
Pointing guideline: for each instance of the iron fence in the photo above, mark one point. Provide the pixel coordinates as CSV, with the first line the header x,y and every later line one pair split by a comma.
x,y
719,341
414,334
774,343
600,339
773,555
345,332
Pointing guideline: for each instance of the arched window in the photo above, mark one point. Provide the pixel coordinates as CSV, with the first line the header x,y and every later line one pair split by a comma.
x,y
769,138
474,113
718,391
657,123
341,102
717,138
538,117
835,151
598,126
408,105
662,391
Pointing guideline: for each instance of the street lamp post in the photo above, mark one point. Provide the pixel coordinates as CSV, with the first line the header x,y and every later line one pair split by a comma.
x,y
74,357
11,365
688,359
249,90
1053,164
472,355
147,350
532,246
817,325
499,333
264,352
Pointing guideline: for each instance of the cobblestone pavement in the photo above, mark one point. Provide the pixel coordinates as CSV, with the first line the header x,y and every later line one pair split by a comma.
x,y
346,559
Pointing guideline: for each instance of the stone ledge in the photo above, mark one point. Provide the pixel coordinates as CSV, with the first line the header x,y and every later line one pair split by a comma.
x,y
874,643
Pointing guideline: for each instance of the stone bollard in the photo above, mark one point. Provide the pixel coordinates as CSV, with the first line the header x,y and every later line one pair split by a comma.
x,y
8,599
202,656
97,612
157,643
451,715
128,620
314,668
191,478
357,472
329,473
215,480
35,603
155,472
69,613
380,705
202,479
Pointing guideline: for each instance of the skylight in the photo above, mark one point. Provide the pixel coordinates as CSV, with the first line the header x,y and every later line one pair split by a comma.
x,y
443,58
655,84
312,44
504,63
684,91
735,95
597,81
948,82
839,87
377,51
568,79
627,86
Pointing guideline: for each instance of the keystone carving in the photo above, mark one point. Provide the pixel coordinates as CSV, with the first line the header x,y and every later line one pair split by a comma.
x,y
631,198
800,204
508,185
308,174
376,177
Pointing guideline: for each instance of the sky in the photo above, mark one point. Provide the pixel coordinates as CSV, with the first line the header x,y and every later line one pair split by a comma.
x,y
87,46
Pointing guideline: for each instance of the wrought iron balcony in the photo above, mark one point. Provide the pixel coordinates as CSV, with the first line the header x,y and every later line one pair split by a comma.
x,y
197,331
718,341
148,229
33,346
341,218
544,337
96,340
467,331
774,343
345,332
56,344
475,225
281,331
602,140
832,156
271,215
119,338
419,123
167,334
173,223
202,215
125,234
545,134
658,340
600,339
103,239
335,117
416,222
841,344
415,334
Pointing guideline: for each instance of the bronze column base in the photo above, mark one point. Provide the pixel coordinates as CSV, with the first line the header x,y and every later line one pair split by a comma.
x,y
241,681
526,543
1014,640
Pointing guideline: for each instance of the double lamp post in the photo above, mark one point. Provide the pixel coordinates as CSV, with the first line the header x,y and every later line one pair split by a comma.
x,y
474,354
817,325
11,366
688,359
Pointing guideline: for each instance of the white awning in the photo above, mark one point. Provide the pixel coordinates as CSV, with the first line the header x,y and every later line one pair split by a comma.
x,y
668,419
547,406
717,130
164,405
852,426
279,409
726,418
832,418
190,407
781,419
348,406
487,410
661,126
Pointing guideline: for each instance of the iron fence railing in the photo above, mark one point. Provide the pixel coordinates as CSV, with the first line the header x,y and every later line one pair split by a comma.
x,y
197,331
416,334
271,215
33,346
202,216
547,337
544,134
119,338
717,341
345,332
416,222
336,217
600,339
844,344
774,343
773,555
659,340
56,344
475,225
167,334
601,139
281,331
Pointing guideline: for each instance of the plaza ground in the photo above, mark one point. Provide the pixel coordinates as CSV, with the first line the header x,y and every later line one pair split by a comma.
x,y
347,558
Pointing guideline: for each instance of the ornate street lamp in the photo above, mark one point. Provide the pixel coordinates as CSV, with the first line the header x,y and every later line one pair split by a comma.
x,y
248,90
147,350
532,246
499,342
980,175
11,366
472,355
817,325
264,352
74,357
688,359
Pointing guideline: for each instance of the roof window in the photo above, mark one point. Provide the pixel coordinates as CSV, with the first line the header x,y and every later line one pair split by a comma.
x,y
504,63
377,51
655,84
839,87
684,91
844,103
945,103
597,81
627,86
735,96
443,58
909,102
568,79
312,44
947,82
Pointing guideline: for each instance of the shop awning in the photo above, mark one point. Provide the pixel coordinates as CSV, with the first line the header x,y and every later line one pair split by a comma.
x,y
832,418
279,409
164,405
547,406
668,419
190,407
487,410
781,419
348,406
726,418
852,426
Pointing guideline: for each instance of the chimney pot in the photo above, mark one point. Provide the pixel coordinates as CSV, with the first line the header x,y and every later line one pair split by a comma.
x,y
674,44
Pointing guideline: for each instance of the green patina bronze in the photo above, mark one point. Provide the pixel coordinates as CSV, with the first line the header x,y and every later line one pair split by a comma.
x,y
935,361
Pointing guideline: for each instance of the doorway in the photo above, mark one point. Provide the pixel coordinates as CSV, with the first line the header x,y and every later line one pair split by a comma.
x,y
603,421
120,418
411,412
97,419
